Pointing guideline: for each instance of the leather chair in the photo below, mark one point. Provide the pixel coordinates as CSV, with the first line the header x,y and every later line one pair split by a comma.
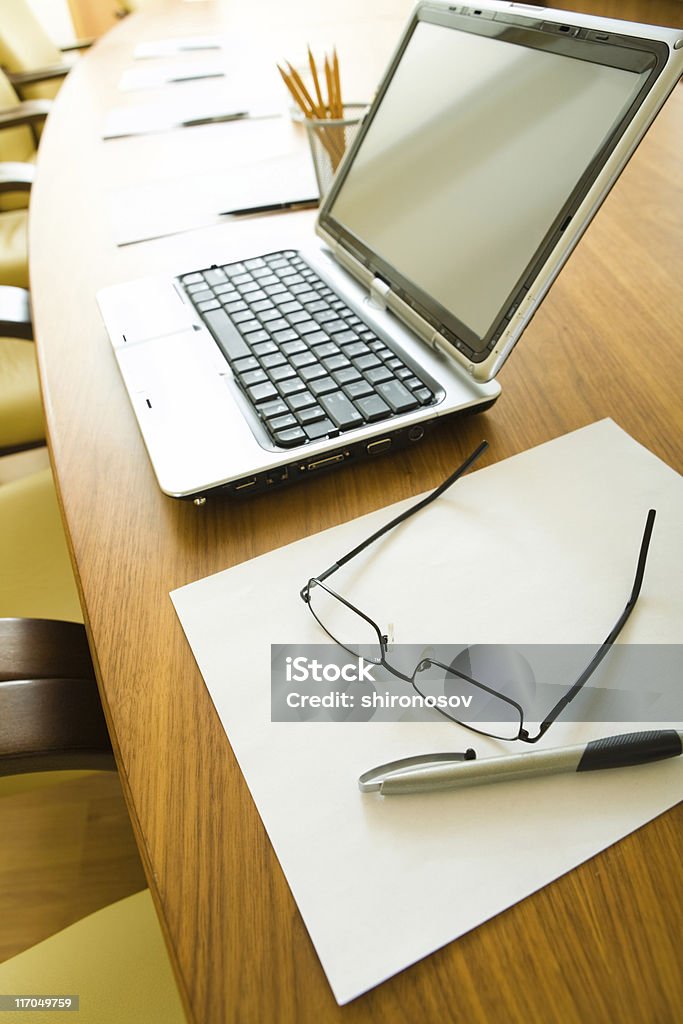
x,y
36,66
50,719
21,410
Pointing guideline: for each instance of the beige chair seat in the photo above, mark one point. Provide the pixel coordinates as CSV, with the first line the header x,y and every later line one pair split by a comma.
x,y
115,960
37,581
21,414
14,248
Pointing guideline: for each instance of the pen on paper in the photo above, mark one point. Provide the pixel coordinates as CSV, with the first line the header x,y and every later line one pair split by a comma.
x,y
238,115
296,204
421,775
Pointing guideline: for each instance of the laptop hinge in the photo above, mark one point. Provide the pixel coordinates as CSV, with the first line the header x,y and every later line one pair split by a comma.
x,y
379,290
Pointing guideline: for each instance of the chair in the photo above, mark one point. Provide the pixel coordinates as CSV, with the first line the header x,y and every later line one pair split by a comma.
x,y
21,410
35,64
51,718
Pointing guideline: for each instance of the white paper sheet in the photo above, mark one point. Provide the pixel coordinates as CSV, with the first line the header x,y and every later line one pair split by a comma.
x,y
540,548
170,74
179,44
162,208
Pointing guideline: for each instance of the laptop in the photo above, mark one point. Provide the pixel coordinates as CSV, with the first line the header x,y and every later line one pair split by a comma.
x,y
495,135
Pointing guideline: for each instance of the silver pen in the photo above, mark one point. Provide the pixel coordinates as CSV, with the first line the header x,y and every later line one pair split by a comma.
x,y
438,771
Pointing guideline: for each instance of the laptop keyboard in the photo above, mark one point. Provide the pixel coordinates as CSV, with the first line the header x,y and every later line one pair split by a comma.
x,y
309,366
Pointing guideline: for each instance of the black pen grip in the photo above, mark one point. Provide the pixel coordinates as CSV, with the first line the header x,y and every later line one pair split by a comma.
x,y
630,748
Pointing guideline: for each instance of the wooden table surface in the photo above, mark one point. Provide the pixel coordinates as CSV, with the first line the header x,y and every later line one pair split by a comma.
x,y
601,944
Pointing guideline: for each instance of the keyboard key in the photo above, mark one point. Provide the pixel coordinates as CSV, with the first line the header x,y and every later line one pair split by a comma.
x,y
379,374
224,331
398,397
210,304
347,375
292,306
291,348
261,393
281,422
256,337
290,438
403,373
364,362
236,307
323,385
275,359
317,337
413,383
335,362
277,325
310,415
373,408
234,270
203,295
244,316
191,279
253,377
358,348
321,428
325,315
290,386
327,349
341,410
335,326
284,372
242,365
247,326
272,409
423,395
264,348
256,261
359,389
307,327
269,314
215,276
312,372
344,336
286,335
301,401
304,358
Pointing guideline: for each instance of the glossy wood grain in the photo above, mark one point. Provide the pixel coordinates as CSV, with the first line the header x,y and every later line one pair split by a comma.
x,y
599,944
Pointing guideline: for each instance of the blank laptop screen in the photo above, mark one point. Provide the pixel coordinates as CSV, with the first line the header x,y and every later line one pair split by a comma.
x,y
472,154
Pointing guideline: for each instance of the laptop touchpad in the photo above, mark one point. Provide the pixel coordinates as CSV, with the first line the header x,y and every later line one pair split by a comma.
x,y
144,310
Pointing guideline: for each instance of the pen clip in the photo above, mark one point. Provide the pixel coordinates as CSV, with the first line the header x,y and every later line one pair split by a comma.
x,y
371,781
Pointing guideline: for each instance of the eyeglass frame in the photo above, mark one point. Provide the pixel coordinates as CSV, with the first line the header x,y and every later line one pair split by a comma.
x,y
383,639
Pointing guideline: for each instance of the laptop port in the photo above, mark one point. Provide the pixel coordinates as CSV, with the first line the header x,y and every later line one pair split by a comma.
x,y
246,484
277,476
416,433
377,447
329,461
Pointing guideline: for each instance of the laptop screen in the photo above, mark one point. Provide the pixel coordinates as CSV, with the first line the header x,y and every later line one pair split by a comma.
x,y
472,158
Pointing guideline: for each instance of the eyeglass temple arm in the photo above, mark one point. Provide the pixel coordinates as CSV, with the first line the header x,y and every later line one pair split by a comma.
x,y
409,512
616,630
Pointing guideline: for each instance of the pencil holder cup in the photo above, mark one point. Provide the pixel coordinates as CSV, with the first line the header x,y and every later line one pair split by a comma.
x,y
329,138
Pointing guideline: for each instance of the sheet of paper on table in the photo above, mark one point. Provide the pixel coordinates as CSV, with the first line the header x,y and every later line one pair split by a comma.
x,y
178,73
153,210
179,44
540,548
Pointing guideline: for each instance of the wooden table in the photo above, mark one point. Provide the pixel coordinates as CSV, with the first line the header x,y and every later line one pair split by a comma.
x,y
601,944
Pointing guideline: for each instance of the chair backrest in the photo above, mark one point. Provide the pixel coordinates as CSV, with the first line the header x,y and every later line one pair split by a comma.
x,y
16,144
26,46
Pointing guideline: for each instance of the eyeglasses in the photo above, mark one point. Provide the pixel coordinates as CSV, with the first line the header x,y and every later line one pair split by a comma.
x,y
360,635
